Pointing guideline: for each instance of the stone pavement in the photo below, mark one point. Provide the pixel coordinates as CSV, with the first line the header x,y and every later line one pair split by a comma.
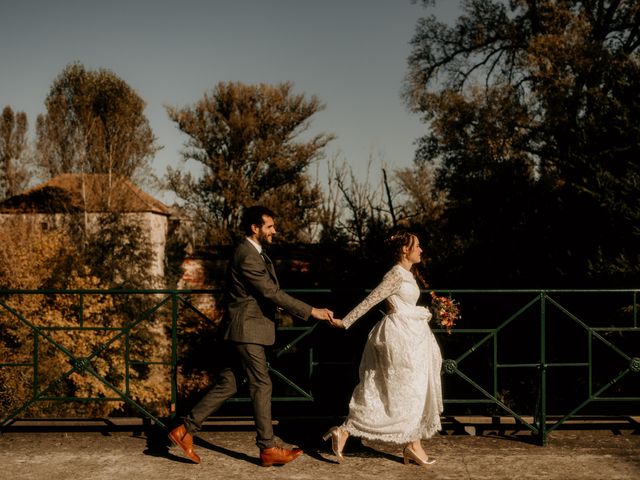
x,y
228,451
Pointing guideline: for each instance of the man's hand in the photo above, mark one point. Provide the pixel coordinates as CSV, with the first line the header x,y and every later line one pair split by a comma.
x,y
326,315
322,314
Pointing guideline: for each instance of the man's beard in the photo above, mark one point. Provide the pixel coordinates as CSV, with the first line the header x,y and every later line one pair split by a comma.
x,y
263,238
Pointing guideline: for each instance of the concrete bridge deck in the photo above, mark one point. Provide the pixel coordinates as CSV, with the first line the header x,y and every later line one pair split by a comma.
x,y
470,450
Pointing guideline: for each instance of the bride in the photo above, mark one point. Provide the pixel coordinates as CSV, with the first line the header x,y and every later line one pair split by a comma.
x,y
399,397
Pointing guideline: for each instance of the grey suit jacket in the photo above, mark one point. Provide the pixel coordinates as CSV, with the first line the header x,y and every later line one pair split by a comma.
x,y
254,296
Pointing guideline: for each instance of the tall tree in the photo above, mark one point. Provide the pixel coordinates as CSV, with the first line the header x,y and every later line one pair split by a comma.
x,y
249,141
534,129
94,123
13,147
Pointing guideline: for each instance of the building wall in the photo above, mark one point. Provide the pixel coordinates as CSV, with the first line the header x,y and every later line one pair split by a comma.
x,y
157,227
34,224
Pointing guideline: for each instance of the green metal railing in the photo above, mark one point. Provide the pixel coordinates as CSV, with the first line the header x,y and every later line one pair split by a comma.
x,y
44,334
508,366
543,308
170,305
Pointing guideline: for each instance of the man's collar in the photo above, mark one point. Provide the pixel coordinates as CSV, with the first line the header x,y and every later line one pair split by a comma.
x,y
255,244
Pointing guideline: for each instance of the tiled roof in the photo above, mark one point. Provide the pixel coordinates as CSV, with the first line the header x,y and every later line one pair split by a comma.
x,y
77,192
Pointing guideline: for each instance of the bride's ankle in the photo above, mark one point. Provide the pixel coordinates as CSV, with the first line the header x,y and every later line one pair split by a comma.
x,y
415,446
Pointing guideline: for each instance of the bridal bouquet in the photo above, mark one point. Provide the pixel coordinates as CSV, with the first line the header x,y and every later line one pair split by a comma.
x,y
445,310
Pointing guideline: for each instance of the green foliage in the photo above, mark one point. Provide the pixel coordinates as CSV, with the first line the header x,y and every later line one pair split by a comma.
x,y
94,123
248,141
117,251
33,259
534,136
13,147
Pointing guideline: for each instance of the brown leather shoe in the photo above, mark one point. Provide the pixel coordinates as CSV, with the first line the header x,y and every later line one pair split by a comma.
x,y
183,439
278,455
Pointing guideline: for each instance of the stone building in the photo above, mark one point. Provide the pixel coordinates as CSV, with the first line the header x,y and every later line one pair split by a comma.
x,y
84,198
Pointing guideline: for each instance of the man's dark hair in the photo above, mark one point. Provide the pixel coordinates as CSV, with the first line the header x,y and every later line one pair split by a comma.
x,y
253,216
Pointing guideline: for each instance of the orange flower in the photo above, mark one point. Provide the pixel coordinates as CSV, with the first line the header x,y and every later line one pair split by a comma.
x,y
445,310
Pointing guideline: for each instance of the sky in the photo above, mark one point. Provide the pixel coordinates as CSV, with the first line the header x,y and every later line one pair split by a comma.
x,y
351,54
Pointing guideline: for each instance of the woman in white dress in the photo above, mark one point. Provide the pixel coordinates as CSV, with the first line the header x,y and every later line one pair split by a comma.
x,y
399,397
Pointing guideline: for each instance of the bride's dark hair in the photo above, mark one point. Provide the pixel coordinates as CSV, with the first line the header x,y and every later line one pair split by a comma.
x,y
394,244
397,241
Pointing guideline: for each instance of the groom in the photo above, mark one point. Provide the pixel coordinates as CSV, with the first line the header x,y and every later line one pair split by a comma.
x,y
254,298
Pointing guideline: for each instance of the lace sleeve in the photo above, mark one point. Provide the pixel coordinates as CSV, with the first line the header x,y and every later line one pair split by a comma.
x,y
389,285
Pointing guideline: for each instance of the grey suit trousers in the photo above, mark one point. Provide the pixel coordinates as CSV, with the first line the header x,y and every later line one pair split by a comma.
x,y
254,363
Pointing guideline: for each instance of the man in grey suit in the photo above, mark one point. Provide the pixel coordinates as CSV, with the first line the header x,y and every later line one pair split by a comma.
x,y
254,298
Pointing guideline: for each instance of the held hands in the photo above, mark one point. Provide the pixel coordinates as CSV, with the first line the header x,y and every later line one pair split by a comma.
x,y
322,314
326,315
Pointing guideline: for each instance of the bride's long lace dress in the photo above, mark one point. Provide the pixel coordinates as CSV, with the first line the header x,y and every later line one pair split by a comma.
x,y
399,397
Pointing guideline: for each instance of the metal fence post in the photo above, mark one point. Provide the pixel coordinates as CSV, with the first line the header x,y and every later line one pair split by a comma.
x,y
542,428
174,354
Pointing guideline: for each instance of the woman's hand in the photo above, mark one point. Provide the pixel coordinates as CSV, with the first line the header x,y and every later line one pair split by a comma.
x,y
337,323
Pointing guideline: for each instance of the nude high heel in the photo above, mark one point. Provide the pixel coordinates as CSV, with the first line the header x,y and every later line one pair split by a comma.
x,y
409,455
336,434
